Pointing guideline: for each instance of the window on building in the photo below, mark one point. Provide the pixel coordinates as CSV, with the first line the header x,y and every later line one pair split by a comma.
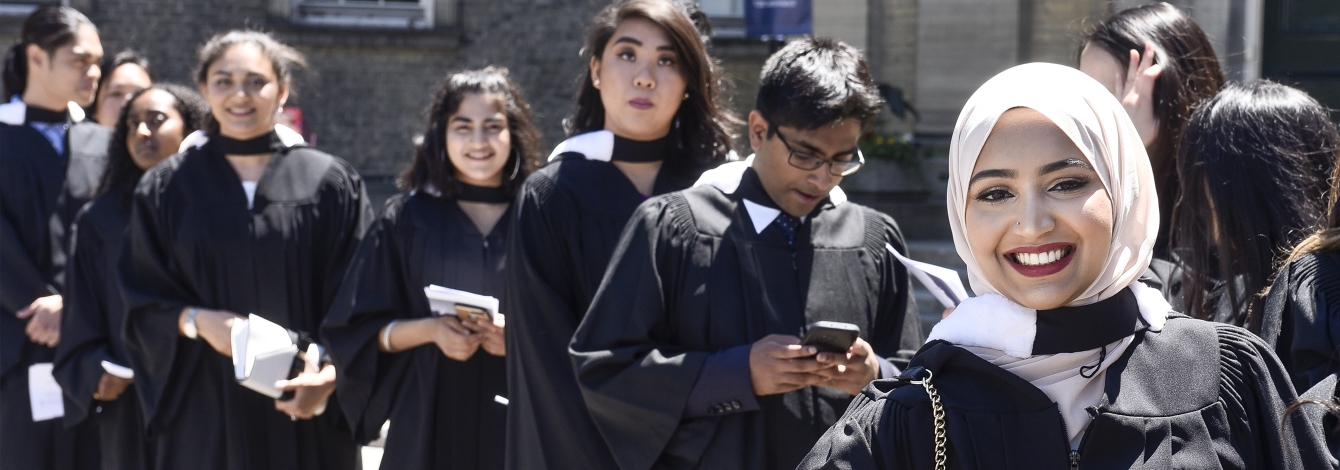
x,y
727,17
400,14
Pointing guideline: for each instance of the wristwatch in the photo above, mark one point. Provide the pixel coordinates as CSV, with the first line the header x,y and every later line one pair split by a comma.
x,y
188,328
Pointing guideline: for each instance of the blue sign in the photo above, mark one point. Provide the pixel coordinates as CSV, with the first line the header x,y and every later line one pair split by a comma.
x,y
768,19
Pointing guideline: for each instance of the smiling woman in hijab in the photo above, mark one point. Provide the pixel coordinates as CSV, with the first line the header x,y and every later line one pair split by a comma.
x,y
1053,209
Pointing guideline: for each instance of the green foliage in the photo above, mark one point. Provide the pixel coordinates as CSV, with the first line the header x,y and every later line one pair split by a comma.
x,y
889,148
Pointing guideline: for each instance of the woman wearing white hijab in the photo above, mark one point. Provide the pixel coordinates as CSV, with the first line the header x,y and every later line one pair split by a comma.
x,y
1063,358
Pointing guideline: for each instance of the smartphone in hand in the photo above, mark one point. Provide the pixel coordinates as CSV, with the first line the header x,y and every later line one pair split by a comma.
x,y
831,336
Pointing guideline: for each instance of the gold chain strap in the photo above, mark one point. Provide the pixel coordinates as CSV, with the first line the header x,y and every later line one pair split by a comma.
x,y
938,413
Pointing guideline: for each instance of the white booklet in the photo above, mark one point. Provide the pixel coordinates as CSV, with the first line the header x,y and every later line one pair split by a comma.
x,y
941,281
263,353
466,305
44,394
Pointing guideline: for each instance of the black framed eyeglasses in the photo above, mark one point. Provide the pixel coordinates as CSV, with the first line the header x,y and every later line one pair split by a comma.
x,y
809,162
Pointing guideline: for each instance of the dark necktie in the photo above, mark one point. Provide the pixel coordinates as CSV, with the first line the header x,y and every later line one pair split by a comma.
x,y
788,223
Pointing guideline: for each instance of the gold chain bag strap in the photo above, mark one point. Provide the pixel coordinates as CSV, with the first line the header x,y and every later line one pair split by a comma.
x,y
937,411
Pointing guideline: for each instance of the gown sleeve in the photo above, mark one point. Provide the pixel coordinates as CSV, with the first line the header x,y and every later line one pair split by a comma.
x,y
635,380
373,294
897,334
21,278
345,218
1298,320
155,296
84,330
1256,393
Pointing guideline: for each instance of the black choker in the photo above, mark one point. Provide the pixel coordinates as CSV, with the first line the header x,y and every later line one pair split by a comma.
x,y
472,193
36,114
638,151
1088,327
264,144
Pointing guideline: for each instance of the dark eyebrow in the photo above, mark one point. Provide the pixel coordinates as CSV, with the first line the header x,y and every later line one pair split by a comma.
x,y
461,119
628,40
1063,164
992,174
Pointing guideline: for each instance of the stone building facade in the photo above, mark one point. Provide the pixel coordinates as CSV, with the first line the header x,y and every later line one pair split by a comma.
x,y
368,86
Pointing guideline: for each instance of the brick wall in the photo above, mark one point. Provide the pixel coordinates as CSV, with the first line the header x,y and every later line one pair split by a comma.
x,y
366,92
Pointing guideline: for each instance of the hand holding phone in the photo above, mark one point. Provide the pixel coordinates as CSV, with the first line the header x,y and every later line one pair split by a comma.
x,y
831,336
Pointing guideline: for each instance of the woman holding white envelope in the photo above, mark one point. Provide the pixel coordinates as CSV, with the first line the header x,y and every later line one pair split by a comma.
x,y
436,369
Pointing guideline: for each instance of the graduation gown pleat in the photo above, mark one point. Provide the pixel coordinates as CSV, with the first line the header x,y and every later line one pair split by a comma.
x,y
692,276
193,241
40,193
444,413
1301,319
1194,395
91,332
566,222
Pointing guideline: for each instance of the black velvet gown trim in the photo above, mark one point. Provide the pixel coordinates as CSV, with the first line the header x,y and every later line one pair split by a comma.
x,y
36,114
638,151
1087,327
471,193
752,190
264,144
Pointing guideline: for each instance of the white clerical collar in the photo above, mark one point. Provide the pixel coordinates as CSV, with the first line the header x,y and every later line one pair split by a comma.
x,y
597,145
15,112
288,137
727,179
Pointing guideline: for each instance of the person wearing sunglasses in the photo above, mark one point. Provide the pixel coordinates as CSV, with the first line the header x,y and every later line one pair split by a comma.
x,y
690,354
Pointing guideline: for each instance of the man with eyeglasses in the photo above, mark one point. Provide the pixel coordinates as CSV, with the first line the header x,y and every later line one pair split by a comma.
x,y
691,353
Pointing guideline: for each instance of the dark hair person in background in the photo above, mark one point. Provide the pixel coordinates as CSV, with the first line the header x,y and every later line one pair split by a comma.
x,y
651,117
50,161
1285,129
691,364
150,128
438,377
122,74
1065,359
1254,162
246,220
1160,65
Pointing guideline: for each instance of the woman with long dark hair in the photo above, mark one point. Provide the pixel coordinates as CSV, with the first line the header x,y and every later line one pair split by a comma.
x,y
91,360
50,160
247,220
1064,359
122,74
1293,131
438,378
1159,63
650,118
1254,162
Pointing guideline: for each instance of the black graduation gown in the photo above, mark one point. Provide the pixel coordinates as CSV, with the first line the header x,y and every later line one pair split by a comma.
x,y
40,192
1320,405
692,277
192,241
91,332
443,412
1194,395
1301,319
567,220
